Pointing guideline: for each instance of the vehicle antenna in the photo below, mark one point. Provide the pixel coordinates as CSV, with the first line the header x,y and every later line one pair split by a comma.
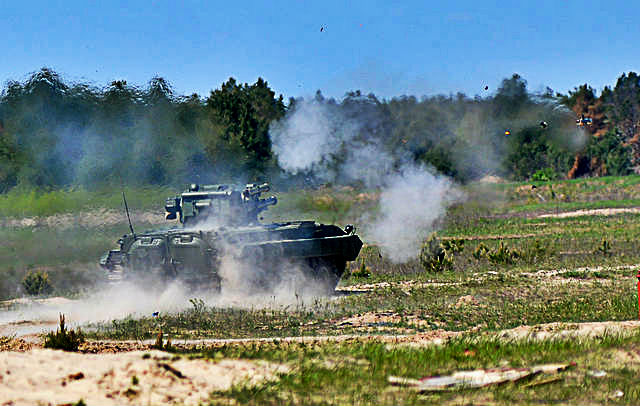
x,y
128,217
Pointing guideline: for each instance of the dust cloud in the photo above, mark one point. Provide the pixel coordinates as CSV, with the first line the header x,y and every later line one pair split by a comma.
x,y
245,286
109,302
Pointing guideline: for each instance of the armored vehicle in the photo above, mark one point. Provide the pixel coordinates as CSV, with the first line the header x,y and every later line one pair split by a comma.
x,y
223,221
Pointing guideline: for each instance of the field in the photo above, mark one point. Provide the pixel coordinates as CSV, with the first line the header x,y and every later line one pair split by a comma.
x,y
543,273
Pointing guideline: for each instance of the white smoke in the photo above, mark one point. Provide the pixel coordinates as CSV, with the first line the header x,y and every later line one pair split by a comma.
x,y
29,316
410,203
306,138
316,137
246,285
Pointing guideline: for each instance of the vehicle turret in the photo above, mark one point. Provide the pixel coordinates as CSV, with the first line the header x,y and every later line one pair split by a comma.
x,y
224,204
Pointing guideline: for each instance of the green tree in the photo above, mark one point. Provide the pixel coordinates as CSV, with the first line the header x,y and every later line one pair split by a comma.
x,y
240,115
511,97
611,152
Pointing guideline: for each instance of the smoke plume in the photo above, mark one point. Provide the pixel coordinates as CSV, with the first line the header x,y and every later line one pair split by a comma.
x,y
410,202
337,146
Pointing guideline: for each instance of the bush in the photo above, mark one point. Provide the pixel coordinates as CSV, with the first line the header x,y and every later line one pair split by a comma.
x,y
362,272
544,175
503,255
480,251
603,248
434,257
536,252
612,152
63,339
453,246
37,283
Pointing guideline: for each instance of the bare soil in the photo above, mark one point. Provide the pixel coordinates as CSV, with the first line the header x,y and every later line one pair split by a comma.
x,y
45,377
592,212
131,372
92,218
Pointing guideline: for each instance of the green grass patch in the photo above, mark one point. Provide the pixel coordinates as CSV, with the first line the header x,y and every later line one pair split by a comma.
x,y
357,373
19,203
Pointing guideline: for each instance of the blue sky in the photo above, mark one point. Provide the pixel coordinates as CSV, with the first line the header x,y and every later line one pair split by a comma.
x,y
389,48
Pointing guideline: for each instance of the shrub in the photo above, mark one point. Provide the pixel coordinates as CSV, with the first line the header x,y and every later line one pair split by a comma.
x,y
37,283
544,175
604,248
199,306
63,339
480,251
433,255
453,246
537,251
362,272
503,255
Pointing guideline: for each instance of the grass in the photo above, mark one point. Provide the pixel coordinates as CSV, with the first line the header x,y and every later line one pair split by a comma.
x,y
504,294
68,255
356,373
495,302
19,203
589,279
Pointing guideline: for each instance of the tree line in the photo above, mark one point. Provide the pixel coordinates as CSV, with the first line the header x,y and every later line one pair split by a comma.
x,y
57,134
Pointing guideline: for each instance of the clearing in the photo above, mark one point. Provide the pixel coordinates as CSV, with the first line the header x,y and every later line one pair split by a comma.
x,y
543,275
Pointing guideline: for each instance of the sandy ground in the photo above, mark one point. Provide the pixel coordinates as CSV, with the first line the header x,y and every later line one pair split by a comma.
x,y
45,377
550,273
368,287
103,372
498,236
106,217
568,330
592,212
93,218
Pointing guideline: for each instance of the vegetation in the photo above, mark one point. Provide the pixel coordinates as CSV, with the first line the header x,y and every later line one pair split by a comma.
x,y
19,202
504,258
55,134
63,339
356,373
37,283
496,254
510,267
434,257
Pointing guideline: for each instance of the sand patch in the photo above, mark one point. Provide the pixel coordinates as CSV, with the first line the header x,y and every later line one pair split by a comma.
x,y
491,179
592,212
547,273
406,286
570,330
56,377
382,319
93,218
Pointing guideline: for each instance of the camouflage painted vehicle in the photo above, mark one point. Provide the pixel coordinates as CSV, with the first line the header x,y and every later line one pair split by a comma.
x,y
222,220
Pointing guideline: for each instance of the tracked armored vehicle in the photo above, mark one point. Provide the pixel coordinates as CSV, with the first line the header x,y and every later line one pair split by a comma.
x,y
223,221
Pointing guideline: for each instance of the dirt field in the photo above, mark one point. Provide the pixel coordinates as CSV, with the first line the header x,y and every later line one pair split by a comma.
x,y
112,373
592,212
41,376
94,218
572,281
